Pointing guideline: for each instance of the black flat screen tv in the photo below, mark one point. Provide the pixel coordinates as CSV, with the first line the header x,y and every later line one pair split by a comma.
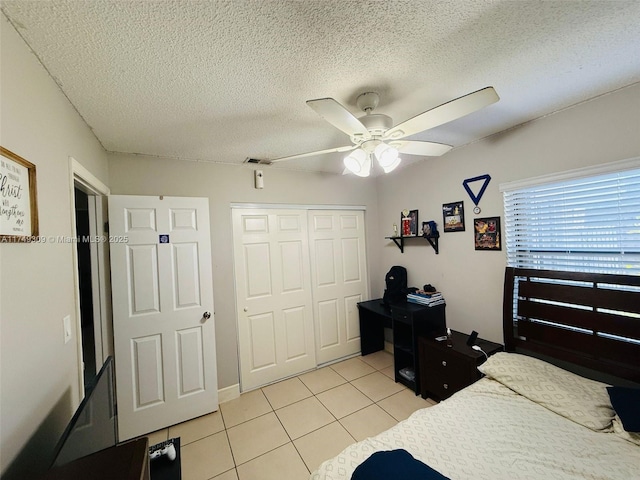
x,y
93,426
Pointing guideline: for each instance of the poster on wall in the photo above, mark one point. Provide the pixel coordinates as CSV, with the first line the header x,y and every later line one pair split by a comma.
x,y
18,204
487,233
453,216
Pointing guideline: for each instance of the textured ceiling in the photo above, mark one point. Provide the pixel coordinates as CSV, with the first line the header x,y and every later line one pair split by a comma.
x,y
224,80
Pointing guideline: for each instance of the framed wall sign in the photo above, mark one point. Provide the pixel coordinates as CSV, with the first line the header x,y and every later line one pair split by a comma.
x,y
487,233
18,202
453,217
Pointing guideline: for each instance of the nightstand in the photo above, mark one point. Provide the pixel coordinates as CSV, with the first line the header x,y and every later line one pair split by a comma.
x,y
445,370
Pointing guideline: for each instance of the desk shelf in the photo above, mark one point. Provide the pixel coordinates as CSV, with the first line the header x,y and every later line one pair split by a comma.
x,y
410,321
432,239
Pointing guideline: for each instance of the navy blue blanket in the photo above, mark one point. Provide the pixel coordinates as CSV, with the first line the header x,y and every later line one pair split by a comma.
x,y
392,464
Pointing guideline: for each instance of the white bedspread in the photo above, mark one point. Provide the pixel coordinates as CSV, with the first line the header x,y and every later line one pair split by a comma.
x,y
487,431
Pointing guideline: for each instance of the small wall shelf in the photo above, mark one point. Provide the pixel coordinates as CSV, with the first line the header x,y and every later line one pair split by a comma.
x,y
432,239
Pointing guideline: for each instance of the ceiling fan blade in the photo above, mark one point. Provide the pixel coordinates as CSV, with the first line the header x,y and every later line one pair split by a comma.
x,y
414,147
339,117
312,154
444,113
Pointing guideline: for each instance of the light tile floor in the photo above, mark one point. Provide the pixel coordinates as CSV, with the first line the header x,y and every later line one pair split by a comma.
x,y
285,430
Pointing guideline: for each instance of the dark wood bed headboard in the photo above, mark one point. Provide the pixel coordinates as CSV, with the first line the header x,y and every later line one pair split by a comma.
x,y
588,320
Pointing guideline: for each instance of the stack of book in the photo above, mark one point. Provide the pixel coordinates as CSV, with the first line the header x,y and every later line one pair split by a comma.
x,y
430,299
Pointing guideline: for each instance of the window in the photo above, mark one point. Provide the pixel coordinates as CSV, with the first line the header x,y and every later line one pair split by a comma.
x,y
584,221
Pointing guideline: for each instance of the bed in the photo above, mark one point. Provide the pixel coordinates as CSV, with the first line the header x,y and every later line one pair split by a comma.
x,y
546,408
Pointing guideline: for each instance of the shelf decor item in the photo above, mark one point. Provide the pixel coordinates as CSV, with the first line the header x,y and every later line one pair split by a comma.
x,y
409,223
429,229
453,216
487,233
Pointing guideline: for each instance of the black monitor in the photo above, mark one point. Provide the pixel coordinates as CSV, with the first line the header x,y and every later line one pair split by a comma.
x,y
93,426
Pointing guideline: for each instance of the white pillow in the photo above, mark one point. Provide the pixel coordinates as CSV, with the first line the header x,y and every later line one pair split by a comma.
x,y
579,399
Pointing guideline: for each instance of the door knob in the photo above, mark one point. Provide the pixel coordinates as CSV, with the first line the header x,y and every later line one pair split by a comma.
x,y
206,315
246,309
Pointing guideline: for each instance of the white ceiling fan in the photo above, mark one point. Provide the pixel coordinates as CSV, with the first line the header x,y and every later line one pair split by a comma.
x,y
374,135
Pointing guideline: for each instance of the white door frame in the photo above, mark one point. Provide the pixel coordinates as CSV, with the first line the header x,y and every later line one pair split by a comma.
x,y
83,179
298,207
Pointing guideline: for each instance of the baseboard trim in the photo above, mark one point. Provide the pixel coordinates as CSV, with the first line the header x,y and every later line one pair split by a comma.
x,y
229,393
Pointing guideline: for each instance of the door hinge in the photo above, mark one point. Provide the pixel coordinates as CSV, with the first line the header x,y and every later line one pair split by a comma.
x,y
106,227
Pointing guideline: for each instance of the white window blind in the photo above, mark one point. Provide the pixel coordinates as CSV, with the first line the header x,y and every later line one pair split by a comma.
x,y
588,224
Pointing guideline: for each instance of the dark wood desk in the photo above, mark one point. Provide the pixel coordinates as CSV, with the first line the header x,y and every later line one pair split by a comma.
x,y
408,321
374,317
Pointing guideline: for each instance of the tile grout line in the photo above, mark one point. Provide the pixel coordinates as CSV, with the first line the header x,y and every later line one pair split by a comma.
x,y
289,435
226,428
291,440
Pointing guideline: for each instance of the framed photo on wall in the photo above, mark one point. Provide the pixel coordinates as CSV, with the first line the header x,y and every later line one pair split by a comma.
x,y
18,203
487,233
453,217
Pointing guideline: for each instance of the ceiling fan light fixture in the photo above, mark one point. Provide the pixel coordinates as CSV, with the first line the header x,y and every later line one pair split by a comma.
x,y
386,155
366,167
358,162
392,166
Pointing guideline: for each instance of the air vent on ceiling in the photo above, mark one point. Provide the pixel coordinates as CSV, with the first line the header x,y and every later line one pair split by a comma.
x,y
257,161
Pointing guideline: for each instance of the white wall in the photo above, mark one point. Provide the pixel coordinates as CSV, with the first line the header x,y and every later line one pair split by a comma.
x,y
38,372
224,185
605,129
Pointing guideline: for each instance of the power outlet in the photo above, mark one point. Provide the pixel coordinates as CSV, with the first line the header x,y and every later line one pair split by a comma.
x,y
66,325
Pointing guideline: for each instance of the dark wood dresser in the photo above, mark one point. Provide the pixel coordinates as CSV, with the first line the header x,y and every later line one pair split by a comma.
x,y
444,370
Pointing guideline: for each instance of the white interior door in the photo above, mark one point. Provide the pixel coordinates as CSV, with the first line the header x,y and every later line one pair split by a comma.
x,y
164,341
273,295
339,277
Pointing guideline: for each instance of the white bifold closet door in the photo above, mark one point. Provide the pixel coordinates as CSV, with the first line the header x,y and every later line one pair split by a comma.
x,y
299,274
339,280
273,295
